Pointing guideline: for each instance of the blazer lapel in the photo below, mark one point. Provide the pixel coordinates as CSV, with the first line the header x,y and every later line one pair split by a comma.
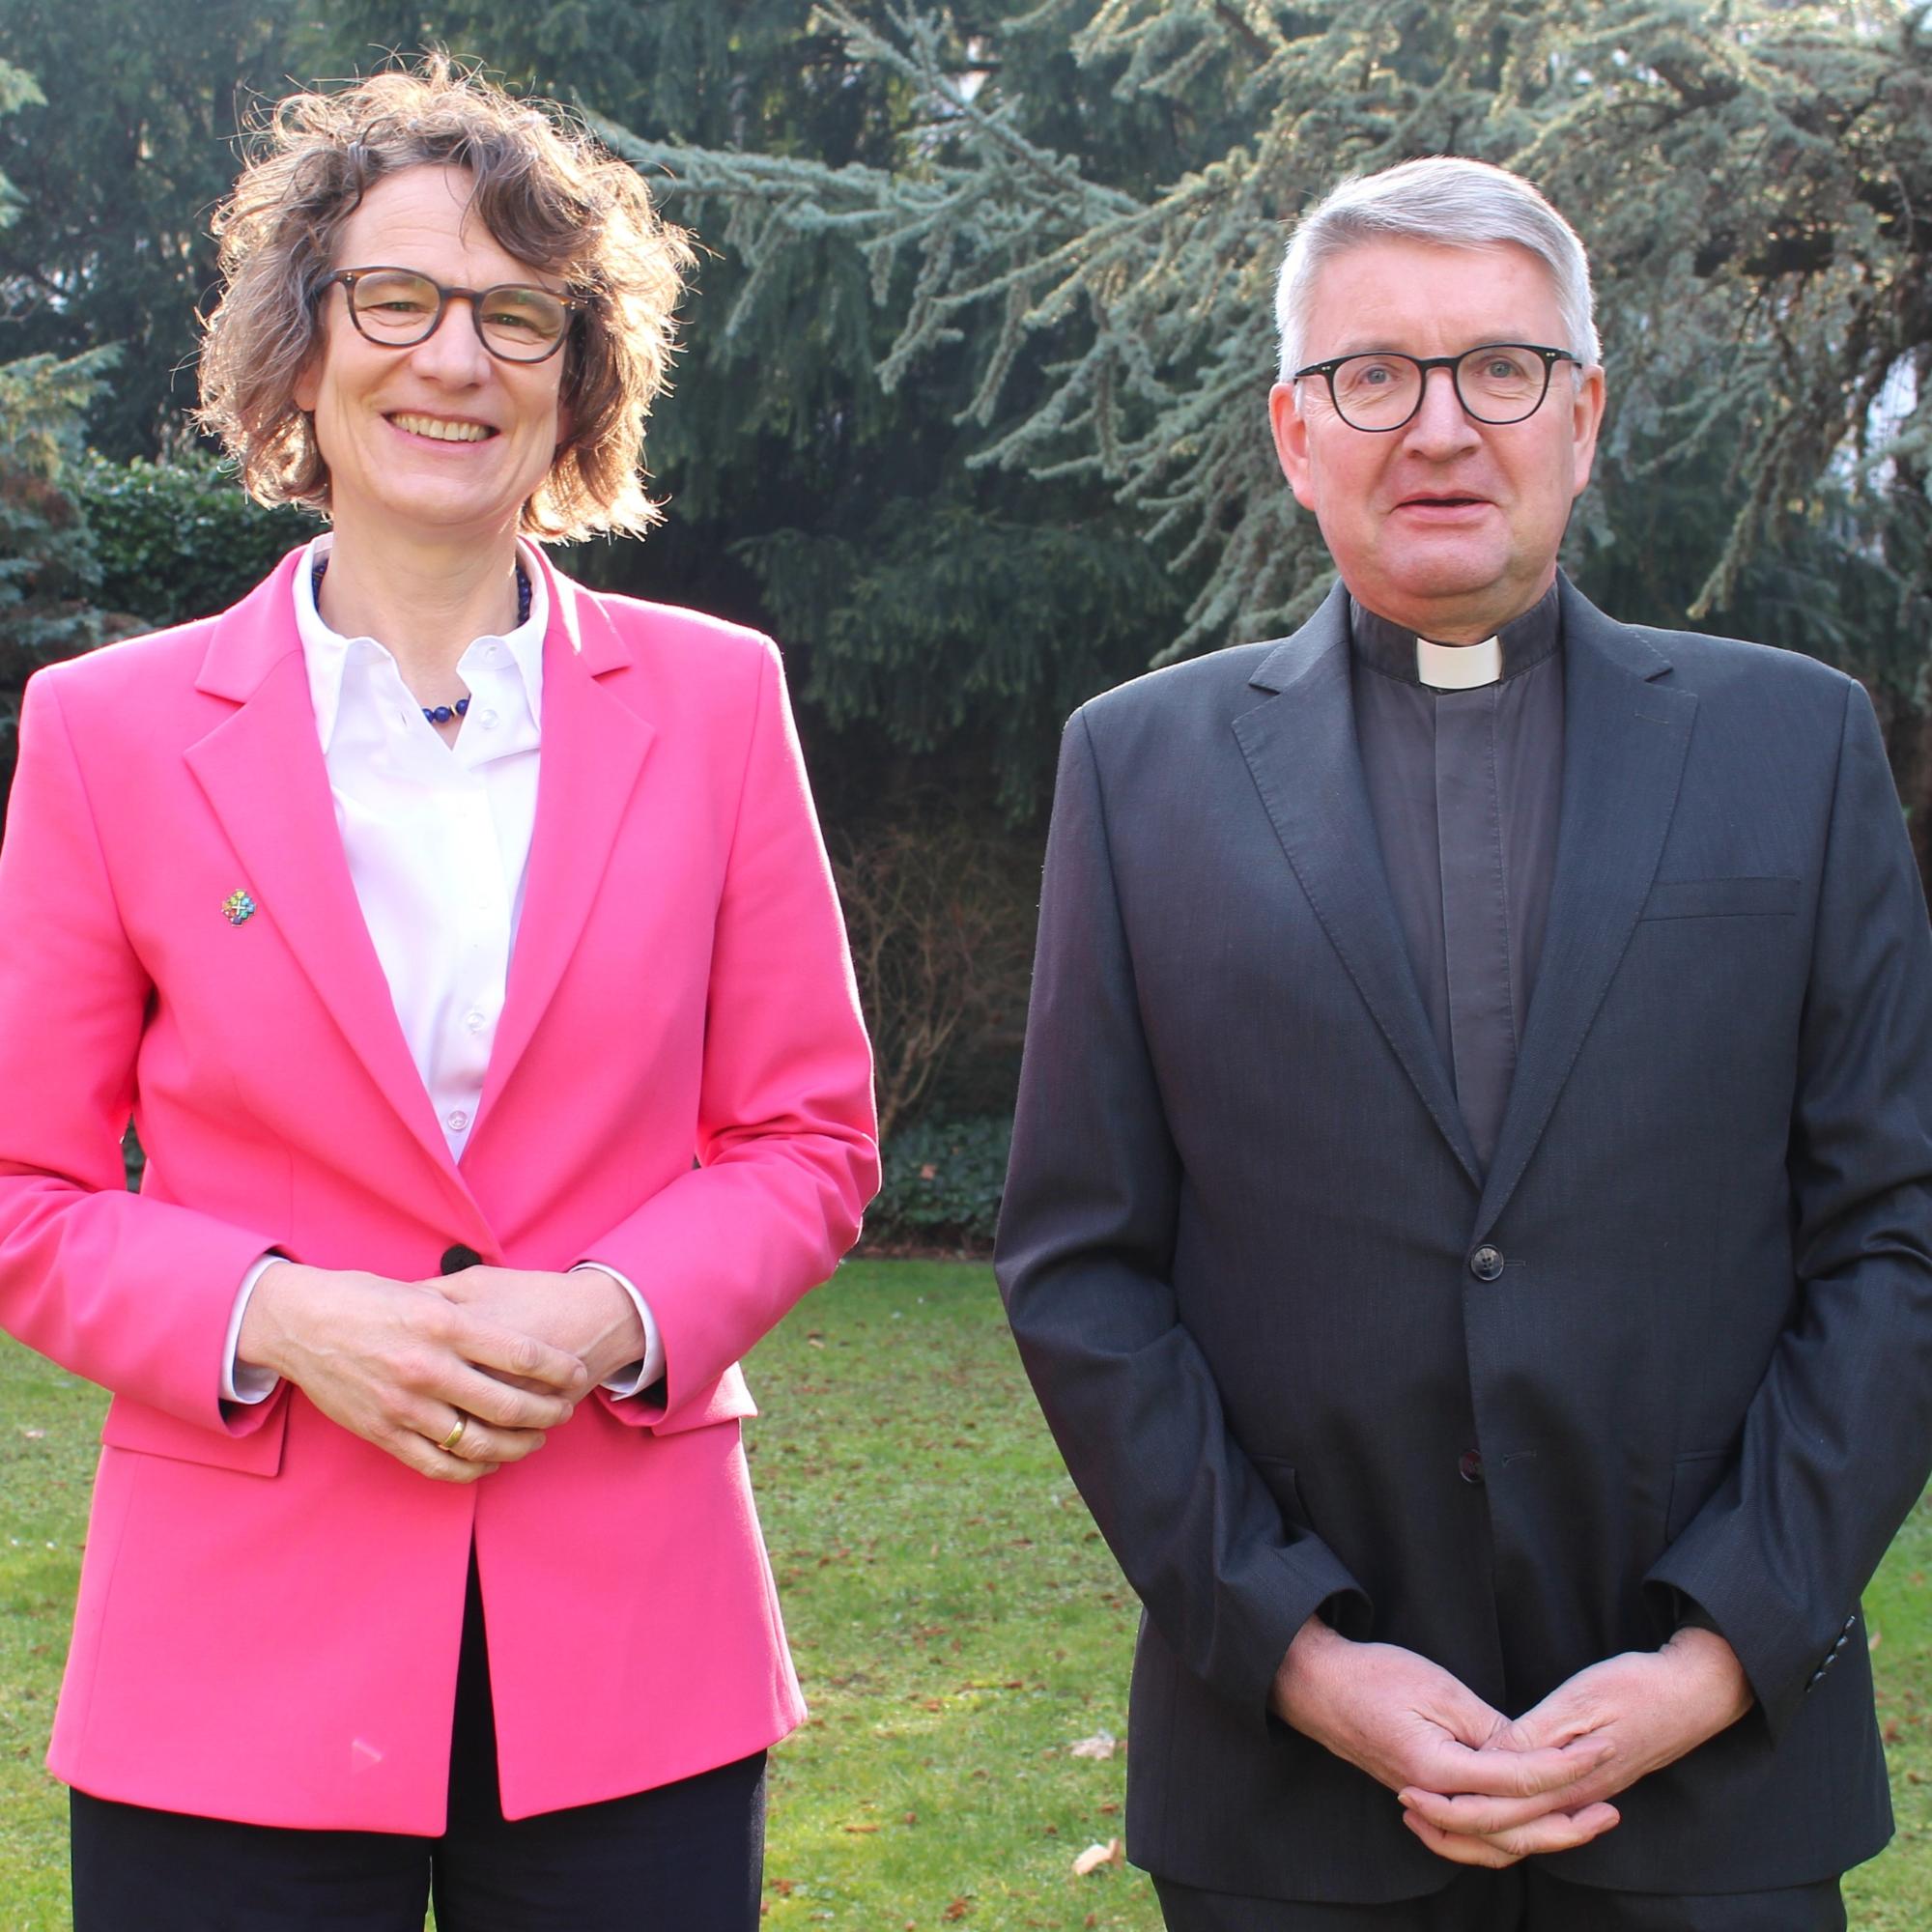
x,y
593,749
1624,736
1301,749
262,771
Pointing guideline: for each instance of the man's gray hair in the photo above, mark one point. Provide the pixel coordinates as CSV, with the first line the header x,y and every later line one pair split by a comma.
x,y
1445,199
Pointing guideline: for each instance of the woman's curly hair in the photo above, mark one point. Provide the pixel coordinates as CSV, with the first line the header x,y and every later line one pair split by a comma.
x,y
548,194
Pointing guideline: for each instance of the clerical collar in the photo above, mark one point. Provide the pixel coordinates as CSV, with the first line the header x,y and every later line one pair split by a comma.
x,y
1396,651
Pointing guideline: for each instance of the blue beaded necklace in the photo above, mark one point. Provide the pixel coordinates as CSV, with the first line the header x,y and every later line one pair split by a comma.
x,y
442,714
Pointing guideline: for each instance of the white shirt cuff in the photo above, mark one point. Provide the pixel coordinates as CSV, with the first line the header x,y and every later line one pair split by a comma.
x,y
239,1382
633,1380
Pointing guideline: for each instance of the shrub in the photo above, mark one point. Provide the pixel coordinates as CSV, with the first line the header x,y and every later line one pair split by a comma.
x,y
48,569
943,1184
941,918
178,539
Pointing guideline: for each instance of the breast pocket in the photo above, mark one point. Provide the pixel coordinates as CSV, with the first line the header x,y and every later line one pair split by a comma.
x,y
1721,898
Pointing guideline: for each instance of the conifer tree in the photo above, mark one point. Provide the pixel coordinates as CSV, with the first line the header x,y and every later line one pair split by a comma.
x,y
46,559
940,618
1750,177
117,170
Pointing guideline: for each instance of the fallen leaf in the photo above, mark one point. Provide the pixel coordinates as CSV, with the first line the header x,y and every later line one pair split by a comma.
x,y
927,1172
1096,1855
959,1909
1872,1641
862,1828
1102,1745
912,1817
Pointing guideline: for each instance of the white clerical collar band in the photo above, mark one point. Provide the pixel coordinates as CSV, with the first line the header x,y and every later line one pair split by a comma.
x,y
1459,667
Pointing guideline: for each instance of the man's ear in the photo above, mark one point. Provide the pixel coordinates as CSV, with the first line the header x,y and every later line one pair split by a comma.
x,y
1587,418
1291,442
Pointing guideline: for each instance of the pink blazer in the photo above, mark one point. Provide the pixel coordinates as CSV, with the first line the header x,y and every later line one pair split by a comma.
x,y
270,1609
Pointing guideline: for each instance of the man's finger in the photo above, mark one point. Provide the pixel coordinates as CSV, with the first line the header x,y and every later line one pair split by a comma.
x,y
1494,1772
1550,1725
1555,1832
1482,1817
1458,1849
1560,1831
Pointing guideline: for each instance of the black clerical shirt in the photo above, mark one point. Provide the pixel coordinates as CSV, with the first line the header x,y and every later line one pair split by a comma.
x,y
1465,787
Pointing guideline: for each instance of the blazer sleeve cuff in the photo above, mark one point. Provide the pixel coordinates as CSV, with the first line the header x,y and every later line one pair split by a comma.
x,y
1783,1663
1313,1581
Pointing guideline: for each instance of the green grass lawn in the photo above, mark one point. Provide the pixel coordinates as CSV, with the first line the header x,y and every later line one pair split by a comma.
x,y
957,1623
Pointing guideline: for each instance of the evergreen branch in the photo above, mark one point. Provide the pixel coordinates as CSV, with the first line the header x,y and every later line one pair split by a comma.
x,y
922,69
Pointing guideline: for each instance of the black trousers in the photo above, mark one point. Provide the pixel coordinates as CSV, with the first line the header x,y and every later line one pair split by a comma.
x,y
684,1858
1524,1898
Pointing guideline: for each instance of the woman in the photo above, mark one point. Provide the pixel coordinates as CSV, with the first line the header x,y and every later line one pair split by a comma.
x,y
464,949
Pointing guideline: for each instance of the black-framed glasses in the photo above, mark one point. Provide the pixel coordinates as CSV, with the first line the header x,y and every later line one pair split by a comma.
x,y
1498,382
396,308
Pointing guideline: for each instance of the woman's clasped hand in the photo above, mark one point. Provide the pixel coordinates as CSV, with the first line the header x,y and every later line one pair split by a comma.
x,y
399,1363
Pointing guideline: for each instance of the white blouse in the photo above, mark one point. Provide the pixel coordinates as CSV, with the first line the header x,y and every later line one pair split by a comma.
x,y
438,840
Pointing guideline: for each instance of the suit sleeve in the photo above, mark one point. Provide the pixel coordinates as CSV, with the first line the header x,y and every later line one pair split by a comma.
x,y
1837,1441
132,1294
788,1147
1085,1253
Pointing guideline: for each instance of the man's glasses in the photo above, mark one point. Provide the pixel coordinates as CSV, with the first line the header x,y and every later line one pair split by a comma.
x,y
396,308
1499,383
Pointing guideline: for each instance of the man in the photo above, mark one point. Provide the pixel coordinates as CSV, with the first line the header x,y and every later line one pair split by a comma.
x,y
1469,1212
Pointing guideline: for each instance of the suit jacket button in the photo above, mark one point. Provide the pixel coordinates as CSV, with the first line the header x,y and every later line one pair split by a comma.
x,y
1469,1465
455,1260
1487,1262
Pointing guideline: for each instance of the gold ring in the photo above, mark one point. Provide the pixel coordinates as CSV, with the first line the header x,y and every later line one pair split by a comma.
x,y
448,1443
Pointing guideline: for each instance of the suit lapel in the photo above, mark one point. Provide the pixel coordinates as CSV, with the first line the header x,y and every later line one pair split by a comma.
x,y
594,749
1624,736
1302,749
262,771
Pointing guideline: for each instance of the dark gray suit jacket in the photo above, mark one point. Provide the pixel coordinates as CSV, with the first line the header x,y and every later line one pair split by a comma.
x,y
1240,1245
